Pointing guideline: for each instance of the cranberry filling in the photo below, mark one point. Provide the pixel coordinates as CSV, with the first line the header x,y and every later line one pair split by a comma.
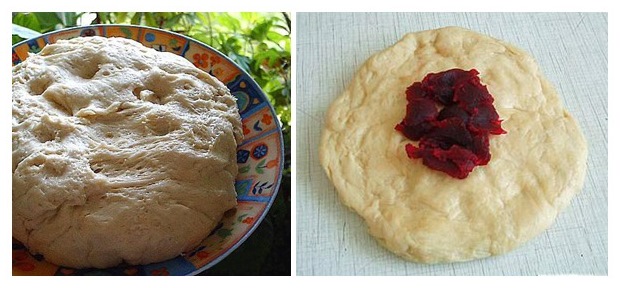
x,y
454,138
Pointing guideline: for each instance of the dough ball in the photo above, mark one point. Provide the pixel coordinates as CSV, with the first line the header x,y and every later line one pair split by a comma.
x,y
120,153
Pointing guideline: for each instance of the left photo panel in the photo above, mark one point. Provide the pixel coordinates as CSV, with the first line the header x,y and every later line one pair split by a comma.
x,y
151,143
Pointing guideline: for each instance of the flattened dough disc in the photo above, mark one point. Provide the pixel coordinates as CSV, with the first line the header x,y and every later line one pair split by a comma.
x,y
424,215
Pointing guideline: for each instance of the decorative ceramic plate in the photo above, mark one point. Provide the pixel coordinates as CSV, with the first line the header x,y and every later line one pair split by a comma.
x,y
260,156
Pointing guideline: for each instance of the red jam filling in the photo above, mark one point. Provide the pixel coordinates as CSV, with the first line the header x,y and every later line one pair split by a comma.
x,y
451,114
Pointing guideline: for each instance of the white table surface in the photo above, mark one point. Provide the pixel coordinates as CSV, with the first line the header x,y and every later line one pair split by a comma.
x,y
571,49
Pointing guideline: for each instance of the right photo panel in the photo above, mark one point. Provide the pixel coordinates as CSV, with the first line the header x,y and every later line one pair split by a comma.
x,y
451,143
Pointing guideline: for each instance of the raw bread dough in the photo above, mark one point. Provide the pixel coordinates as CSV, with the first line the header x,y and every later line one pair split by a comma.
x,y
120,153
425,215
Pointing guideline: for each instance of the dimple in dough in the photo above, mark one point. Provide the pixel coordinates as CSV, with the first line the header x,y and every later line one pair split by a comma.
x,y
425,215
120,153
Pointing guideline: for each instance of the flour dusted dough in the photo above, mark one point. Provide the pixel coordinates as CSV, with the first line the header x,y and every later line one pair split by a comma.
x,y
425,215
120,153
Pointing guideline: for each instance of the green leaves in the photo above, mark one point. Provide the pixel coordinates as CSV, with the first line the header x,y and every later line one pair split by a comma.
x,y
24,24
68,19
27,20
137,17
226,21
259,33
46,21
